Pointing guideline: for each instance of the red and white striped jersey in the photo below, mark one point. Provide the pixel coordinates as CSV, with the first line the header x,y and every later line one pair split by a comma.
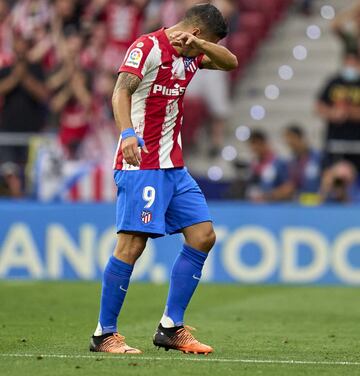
x,y
157,104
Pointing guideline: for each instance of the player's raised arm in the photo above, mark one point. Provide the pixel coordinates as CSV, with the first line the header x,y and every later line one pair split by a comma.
x,y
216,56
125,87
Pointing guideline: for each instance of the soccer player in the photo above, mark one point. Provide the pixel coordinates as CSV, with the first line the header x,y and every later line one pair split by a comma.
x,y
156,194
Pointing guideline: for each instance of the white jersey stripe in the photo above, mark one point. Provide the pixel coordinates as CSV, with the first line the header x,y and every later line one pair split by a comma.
x,y
179,140
117,152
166,141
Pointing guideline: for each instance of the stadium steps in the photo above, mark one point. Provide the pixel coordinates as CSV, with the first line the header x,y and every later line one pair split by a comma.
x,y
297,96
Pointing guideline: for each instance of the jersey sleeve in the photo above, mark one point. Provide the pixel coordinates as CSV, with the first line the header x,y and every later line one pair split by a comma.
x,y
199,59
138,59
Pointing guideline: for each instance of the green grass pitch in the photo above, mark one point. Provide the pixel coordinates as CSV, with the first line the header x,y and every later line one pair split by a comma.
x,y
45,329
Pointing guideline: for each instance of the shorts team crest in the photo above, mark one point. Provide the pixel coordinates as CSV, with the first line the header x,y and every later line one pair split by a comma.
x,y
146,216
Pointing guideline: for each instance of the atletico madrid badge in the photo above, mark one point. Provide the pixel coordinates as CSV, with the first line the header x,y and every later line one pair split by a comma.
x,y
146,216
189,64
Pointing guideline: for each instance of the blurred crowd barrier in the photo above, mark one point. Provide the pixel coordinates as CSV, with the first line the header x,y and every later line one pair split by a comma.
x,y
314,245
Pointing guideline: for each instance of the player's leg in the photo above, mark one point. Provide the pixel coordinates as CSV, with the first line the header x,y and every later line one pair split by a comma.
x,y
139,215
187,270
115,283
116,279
188,213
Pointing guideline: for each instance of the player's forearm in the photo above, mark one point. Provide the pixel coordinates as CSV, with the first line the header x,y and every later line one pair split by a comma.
x,y
121,102
125,87
219,55
122,110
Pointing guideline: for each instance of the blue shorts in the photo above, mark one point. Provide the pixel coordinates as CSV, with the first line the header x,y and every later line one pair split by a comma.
x,y
158,202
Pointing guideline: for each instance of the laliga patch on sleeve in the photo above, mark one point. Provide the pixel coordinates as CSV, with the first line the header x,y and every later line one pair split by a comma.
x,y
134,58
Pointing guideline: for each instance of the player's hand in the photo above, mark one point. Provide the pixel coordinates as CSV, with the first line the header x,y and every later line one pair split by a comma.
x,y
131,151
186,40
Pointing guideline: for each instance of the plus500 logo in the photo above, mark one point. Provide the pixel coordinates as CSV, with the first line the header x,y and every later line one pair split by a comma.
x,y
169,92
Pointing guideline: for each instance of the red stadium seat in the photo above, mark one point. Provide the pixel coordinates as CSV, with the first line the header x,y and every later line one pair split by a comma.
x,y
272,9
242,45
254,23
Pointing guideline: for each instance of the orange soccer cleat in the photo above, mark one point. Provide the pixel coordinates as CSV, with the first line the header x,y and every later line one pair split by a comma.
x,y
111,343
179,338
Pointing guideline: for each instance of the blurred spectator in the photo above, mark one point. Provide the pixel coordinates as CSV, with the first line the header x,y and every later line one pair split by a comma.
x,y
5,34
169,12
24,96
347,26
339,106
306,7
124,23
230,11
103,135
62,76
71,99
29,16
66,15
339,184
92,56
10,181
269,179
305,164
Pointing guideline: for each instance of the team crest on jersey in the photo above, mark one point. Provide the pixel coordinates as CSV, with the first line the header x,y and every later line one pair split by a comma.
x,y
189,64
146,216
178,68
134,58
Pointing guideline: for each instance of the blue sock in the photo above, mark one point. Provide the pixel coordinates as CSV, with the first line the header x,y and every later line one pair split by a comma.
x,y
114,286
185,277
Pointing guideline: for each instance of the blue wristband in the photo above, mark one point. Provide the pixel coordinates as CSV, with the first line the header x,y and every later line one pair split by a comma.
x,y
129,132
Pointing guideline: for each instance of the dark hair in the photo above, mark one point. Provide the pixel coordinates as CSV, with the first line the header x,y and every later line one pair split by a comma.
x,y
257,135
209,17
296,130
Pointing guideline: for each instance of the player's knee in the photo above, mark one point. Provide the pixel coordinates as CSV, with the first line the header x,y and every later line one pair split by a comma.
x,y
130,249
206,240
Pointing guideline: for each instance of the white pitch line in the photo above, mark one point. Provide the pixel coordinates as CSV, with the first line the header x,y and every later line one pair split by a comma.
x,y
186,358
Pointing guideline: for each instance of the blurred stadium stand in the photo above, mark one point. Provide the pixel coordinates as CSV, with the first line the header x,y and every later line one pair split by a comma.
x,y
286,51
